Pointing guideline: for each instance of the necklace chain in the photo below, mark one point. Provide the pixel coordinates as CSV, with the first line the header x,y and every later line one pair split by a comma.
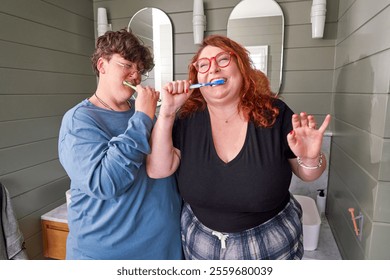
x,y
227,119
108,106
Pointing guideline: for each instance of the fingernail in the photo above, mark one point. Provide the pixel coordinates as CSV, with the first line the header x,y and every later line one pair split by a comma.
x,y
292,131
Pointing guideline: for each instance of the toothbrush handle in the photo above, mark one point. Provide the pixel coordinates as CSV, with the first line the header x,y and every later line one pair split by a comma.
x,y
195,86
129,85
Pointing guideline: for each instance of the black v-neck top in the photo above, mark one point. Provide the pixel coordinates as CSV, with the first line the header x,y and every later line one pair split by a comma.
x,y
248,190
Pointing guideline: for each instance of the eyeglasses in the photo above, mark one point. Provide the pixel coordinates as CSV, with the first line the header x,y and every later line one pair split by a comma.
x,y
129,69
222,59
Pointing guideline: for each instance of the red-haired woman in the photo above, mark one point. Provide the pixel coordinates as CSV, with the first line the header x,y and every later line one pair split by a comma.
x,y
234,147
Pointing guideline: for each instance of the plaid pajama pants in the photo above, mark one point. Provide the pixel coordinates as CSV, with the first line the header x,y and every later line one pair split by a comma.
x,y
280,238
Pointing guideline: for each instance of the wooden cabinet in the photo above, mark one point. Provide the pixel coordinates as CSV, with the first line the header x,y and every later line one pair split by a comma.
x,y
54,233
54,239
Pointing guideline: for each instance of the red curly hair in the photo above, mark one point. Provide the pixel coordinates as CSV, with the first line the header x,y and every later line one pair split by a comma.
x,y
256,95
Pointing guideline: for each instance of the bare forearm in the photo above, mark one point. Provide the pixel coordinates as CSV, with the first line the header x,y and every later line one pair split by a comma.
x,y
164,158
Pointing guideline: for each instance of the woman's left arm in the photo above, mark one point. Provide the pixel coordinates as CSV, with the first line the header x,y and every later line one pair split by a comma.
x,y
305,141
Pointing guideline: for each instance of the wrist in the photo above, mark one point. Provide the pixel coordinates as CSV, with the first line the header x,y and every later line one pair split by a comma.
x,y
310,163
166,115
167,111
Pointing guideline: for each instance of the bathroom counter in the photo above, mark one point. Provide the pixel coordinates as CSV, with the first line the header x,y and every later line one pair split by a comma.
x,y
327,248
59,214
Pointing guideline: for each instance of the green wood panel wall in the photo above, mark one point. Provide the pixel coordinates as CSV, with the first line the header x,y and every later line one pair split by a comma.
x,y
47,70
44,70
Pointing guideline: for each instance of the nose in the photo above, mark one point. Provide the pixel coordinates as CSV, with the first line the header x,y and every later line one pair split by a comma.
x,y
135,76
214,66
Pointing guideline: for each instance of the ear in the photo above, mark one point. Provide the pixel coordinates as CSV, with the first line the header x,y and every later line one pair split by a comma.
x,y
100,65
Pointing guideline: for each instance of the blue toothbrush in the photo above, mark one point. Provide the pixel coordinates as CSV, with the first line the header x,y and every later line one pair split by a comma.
x,y
213,83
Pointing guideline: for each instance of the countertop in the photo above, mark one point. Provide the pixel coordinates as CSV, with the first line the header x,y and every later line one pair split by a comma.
x,y
59,214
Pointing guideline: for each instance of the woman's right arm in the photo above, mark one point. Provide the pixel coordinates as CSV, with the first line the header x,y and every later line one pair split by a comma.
x,y
164,158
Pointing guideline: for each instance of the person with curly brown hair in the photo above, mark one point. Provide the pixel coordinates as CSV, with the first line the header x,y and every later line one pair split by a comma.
x,y
116,210
234,147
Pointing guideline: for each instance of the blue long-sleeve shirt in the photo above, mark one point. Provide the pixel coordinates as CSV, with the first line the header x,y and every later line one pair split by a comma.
x,y
116,210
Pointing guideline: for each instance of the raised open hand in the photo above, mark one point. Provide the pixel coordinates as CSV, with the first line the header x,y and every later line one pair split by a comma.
x,y
305,140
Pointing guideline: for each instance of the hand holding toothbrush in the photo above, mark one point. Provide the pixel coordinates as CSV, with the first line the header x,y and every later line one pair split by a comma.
x,y
173,96
177,92
146,100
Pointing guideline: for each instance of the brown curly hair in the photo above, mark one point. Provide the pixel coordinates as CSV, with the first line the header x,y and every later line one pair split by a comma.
x,y
127,45
256,95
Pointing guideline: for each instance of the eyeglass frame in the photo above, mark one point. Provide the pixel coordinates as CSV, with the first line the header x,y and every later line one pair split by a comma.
x,y
211,61
127,67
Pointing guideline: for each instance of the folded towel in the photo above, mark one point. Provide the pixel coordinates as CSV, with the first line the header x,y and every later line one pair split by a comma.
x,y
12,241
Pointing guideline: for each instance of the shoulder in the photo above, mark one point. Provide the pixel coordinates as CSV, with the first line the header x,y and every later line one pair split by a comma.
x,y
284,113
191,125
281,105
196,117
284,109
80,112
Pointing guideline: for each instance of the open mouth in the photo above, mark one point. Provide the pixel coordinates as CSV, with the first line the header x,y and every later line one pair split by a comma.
x,y
218,79
217,82
126,83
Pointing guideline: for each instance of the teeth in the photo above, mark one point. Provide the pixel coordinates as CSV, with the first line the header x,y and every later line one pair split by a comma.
x,y
218,79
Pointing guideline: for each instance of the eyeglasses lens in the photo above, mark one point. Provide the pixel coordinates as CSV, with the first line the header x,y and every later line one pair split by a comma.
x,y
131,69
222,59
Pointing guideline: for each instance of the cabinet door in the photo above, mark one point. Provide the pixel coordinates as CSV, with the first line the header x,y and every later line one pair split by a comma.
x,y
54,239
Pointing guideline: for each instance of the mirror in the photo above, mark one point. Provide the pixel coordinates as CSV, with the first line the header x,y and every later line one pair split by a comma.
x,y
154,28
259,26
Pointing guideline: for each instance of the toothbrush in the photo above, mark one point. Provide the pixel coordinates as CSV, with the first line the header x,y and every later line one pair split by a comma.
x,y
126,83
213,83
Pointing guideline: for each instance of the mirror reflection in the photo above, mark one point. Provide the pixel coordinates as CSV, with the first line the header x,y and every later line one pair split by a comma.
x,y
154,28
259,26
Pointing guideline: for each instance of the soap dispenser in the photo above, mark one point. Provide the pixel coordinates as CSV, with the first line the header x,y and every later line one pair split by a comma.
x,y
321,201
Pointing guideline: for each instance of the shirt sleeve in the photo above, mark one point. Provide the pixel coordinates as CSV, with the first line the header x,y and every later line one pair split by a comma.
x,y
100,165
285,115
176,133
